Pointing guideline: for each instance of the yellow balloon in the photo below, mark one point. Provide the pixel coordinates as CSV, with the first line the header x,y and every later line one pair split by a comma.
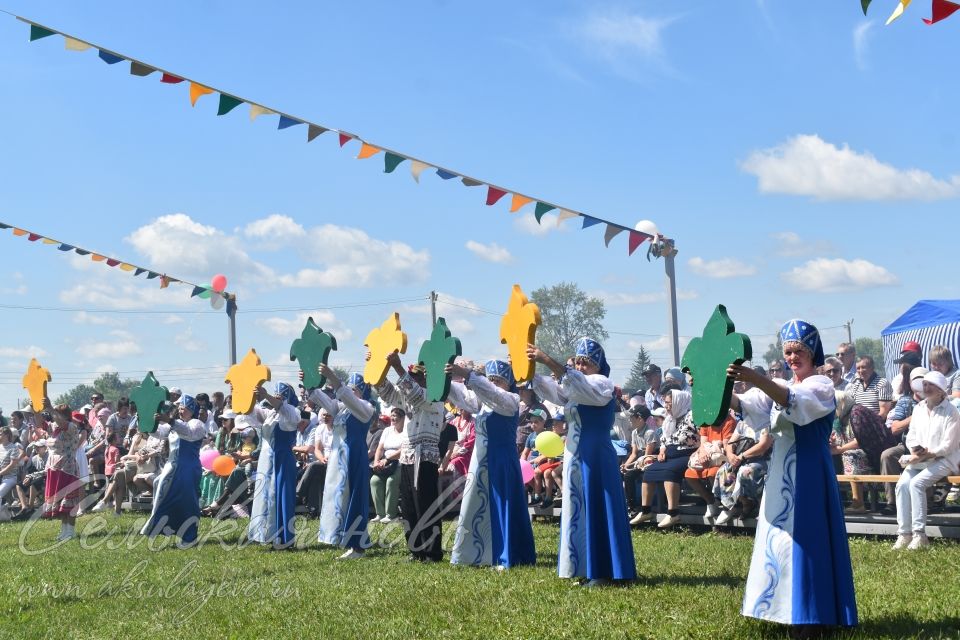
x,y
549,444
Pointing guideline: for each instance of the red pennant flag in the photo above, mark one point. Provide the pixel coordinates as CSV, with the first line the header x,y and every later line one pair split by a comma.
x,y
33,237
344,139
636,239
169,79
112,263
942,9
494,194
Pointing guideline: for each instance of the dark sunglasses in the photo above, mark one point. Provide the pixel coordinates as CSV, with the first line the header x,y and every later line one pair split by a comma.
x,y
831,371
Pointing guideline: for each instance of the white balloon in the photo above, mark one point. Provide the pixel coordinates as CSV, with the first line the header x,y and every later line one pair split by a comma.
x,y
217,301
648,227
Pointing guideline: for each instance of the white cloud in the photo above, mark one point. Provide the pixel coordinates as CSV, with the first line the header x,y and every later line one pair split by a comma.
x,y
16,288
172,319
293,327
83,317
616,33
454,310
275,231
723,268
123,345
106,368
661,344
490,252
187,342
527,223
22,352
621,298
188,249
835,275
791,245
806,165
860,42
126,297
353,259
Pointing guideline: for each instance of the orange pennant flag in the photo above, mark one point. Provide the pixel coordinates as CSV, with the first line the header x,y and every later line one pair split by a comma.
x,y
19,232
367,151
197,90
96,257
519,202
164,282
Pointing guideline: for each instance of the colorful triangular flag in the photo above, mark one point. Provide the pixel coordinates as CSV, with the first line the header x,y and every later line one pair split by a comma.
x,y
139,271
33,237
494,194
126,267
589,221
563,215
470,182
81,252
164,282
446,175
65,247
227,104
72,44
541,210
197,90
942,9
416,168
257,110
313,131
611,232
518,202
367,151
37,32
19,232
96,257
50,241
109,58
635,240
112,263
286,122
865,4
345,138
140,69
197,291
898,11
391,161
170,79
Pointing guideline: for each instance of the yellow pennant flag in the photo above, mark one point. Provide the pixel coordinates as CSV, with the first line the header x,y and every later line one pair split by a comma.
x,y
416,168
367,151
519,202
72,44
899,10
257,110
50,241
197,90
126,267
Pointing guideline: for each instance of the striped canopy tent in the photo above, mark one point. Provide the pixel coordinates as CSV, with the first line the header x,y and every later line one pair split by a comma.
x,y
929,322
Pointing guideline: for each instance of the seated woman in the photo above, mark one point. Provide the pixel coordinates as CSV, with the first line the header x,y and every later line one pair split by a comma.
x,y
739,482
385,470
934,444
706,461
678,442
639,414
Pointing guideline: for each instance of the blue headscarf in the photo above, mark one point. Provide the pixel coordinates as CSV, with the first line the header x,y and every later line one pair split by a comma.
x,y
806,334
591,349
288,393
190,403
501,369
356,381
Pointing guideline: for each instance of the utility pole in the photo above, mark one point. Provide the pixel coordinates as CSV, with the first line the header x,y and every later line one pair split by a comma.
x,y
232,323
433,308
849,332
667,251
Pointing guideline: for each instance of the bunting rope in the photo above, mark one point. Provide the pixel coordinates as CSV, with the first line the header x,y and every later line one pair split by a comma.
x,y
391,158
165,280
939,10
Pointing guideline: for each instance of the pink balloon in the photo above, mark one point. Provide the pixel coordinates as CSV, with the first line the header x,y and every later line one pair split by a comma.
x,y
207,458
526,471
219,283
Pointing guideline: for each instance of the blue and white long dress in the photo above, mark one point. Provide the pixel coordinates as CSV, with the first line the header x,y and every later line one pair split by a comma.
x,y
346,492
274,495
595,540
176,491
800,572
494,526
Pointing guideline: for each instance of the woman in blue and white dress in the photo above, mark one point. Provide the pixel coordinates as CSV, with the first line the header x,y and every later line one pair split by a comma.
x,y
176,491
274,496
800,573
595,542
346,491
494,527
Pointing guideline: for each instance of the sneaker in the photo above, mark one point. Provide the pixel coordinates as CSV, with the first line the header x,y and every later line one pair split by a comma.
x,y
535,500
713,510
351,554
547,503
919,542
954,496
669,521
725,516
643,517
903,542
100,506
855,509
386,520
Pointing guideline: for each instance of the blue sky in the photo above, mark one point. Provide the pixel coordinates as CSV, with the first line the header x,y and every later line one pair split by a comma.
x,y
803,157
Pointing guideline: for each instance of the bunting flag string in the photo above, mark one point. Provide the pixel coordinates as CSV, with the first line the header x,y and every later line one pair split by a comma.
x,y
391,158
165,280
939,9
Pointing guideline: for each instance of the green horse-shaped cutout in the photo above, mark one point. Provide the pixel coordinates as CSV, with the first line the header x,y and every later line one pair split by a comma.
x,y
707,360
309,350
435,354
148,397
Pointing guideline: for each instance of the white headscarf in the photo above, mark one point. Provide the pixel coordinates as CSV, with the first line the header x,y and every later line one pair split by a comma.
x,y
680,402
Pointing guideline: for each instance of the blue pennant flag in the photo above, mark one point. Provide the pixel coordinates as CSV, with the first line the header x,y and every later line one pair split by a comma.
x,y
82,252
109,58
152,275
65,247
286,123
138,271
446,175
197,291
589,222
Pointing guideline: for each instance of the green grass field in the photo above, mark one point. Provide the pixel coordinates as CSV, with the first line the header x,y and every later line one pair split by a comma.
x,y
111,584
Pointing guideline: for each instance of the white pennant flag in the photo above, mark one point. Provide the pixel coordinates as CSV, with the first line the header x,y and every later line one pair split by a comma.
x,y
416,168
72,44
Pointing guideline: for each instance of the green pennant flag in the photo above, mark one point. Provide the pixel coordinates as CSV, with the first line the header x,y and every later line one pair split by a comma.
x,y
39,32
227,104
390,161
541,210
866,5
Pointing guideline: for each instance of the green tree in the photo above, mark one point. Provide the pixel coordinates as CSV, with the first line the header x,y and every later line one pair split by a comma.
x,y
567,314
109,384
774,352
871,347
636,381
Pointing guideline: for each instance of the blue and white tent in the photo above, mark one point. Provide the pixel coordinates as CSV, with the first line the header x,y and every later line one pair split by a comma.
x,y
929,322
